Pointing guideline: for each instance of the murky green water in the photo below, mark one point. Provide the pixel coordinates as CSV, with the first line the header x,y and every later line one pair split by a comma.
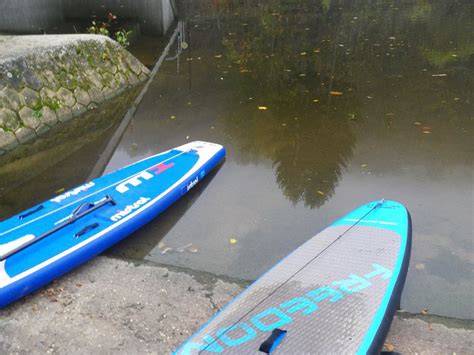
x,y
322,106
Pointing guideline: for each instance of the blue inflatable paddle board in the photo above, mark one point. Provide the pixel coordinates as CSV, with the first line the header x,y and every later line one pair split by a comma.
x,y
336,294
46,241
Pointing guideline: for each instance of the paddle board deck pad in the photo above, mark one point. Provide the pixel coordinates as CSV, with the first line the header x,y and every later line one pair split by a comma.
x,y
46,241
335,294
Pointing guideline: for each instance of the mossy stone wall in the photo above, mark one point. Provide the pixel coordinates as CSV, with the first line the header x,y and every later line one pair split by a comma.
x,y
44,86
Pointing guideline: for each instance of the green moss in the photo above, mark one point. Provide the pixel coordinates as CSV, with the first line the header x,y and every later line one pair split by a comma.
x,y
90,60
67,80
38,105
37,114
84,85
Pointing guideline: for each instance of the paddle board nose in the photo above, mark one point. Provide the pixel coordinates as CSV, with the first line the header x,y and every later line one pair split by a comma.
x,y
48,240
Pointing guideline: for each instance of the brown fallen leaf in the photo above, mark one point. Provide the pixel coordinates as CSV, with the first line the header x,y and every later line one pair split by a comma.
x,y
335,93
388,347
420,266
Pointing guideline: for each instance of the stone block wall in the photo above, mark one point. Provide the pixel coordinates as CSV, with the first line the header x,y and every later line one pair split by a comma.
x,y
48,80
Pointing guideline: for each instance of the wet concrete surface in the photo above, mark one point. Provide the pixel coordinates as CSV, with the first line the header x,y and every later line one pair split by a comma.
x,y
111,306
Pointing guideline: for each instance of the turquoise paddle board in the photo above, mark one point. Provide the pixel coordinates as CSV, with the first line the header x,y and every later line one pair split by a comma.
x,y
336,294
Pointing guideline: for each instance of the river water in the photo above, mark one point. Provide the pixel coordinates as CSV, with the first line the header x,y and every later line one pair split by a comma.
x,y
322,106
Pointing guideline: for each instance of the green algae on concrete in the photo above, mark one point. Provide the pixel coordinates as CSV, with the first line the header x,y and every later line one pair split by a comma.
x,y
51,79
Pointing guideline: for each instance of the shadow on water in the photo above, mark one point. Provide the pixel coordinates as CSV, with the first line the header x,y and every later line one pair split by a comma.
x,y
147,238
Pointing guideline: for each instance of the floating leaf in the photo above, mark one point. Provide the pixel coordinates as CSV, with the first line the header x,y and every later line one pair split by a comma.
x,y
303,53
232,241
417,123
335,93
388,347
218,56
59,190
321,193
439,75
420,266
315,100
263,108
172,117
245,71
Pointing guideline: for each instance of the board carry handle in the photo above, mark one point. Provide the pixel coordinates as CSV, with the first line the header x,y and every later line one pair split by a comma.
x,y
79,212
86,229
272,341
29,213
